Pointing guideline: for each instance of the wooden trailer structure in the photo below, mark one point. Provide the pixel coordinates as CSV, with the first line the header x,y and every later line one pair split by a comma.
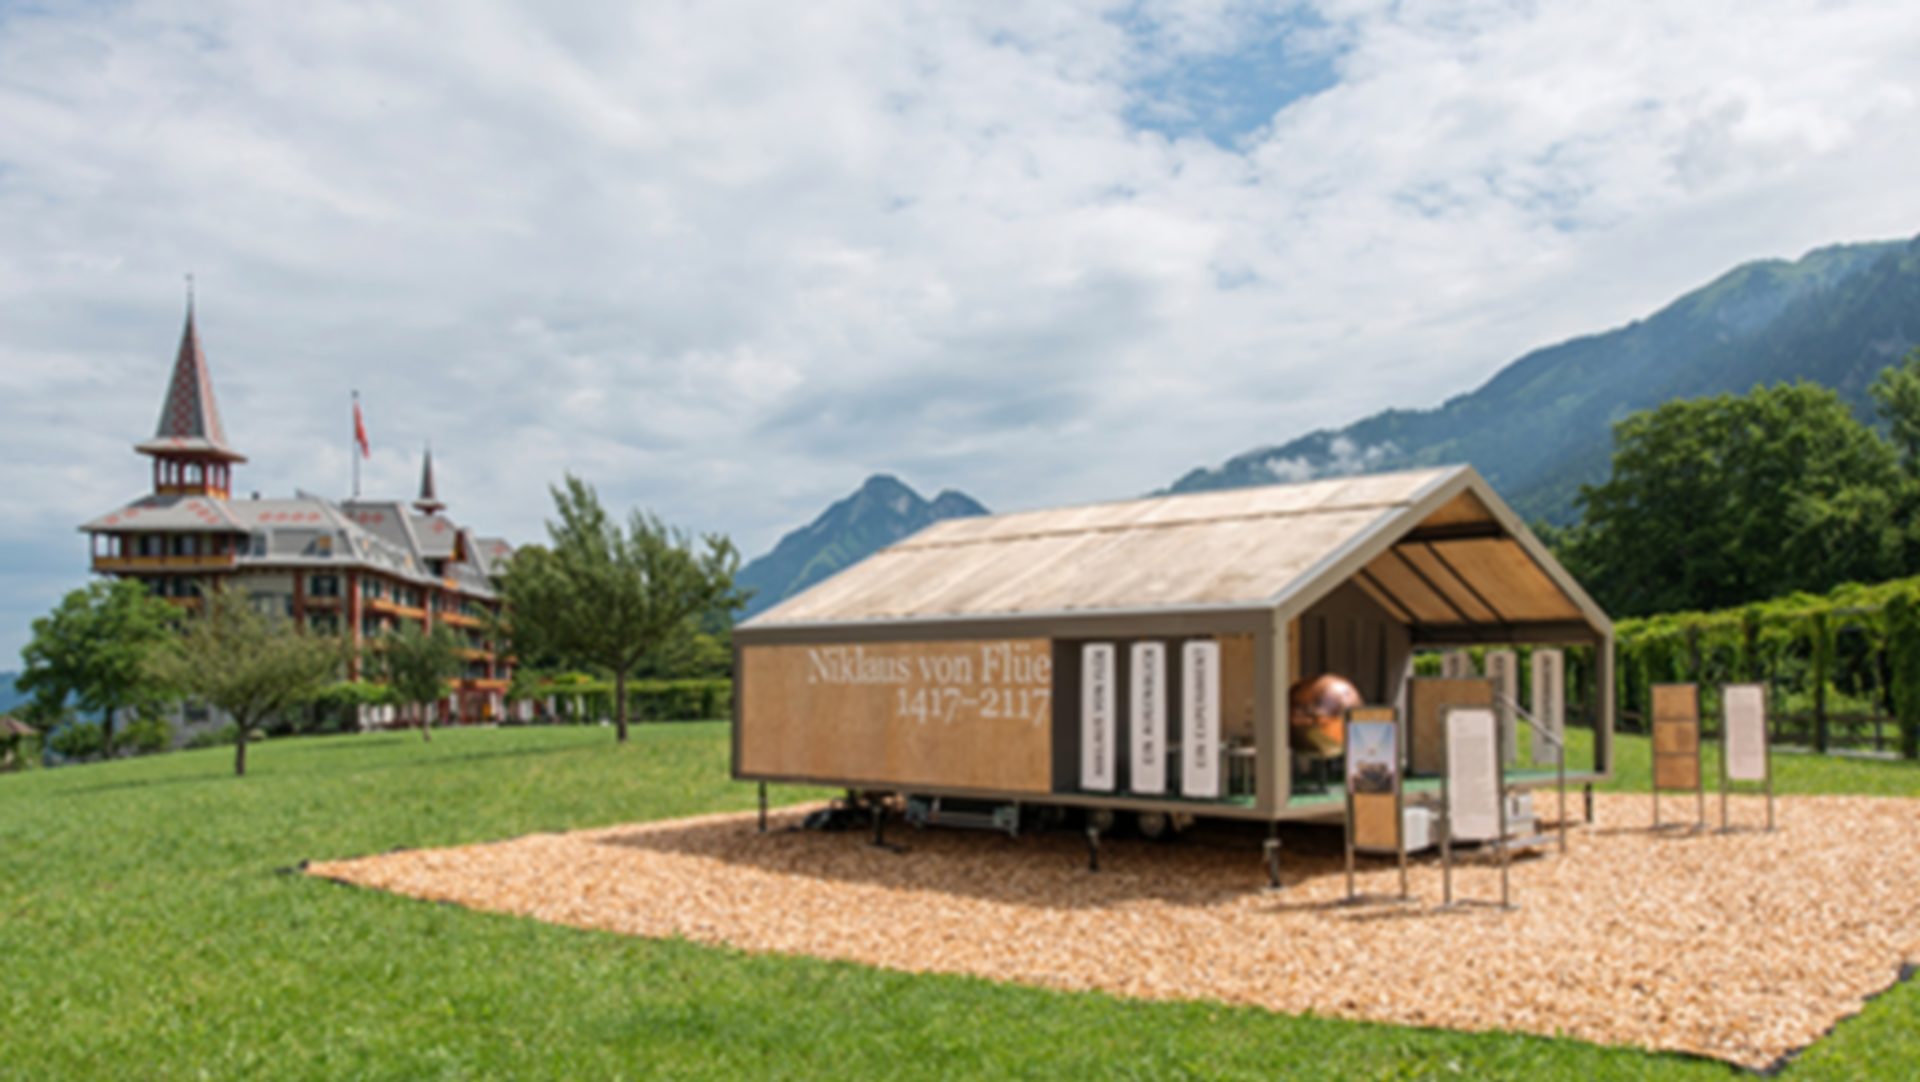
x,y
1136,656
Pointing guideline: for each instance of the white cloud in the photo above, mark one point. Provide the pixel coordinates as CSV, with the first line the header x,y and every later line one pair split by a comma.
x,y
726,259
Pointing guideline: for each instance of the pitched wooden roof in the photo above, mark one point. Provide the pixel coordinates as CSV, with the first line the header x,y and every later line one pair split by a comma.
x,y
1435,546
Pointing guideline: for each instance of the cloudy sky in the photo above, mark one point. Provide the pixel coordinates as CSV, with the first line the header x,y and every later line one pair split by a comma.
x,y
725,260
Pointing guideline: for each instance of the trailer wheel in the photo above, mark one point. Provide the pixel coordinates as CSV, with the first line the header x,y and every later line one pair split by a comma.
x,y
1101,819
1154,826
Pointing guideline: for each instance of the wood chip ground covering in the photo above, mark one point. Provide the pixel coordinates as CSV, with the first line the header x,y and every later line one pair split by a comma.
x,y
1742,947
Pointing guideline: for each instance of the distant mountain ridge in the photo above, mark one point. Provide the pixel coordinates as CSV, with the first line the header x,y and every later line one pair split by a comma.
x,y
1542,426
881,511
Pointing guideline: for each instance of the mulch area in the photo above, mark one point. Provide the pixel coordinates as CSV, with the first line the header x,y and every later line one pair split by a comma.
x,y
1744,947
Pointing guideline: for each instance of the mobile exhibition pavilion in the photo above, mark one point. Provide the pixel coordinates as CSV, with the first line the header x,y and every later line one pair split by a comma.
x,y
1137,657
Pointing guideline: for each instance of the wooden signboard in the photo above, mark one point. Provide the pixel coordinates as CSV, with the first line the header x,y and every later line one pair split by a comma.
x,y
1147,718
1427,699
1373,777
1375,812
964,714
1676,744
1200,719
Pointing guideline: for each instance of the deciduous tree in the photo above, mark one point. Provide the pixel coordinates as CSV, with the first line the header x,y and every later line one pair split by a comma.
x,y
249,665
95,651
605,597
1716,501
416,665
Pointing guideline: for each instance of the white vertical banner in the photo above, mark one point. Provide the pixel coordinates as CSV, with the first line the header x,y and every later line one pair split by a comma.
x,y
1745,707
1473,775
1457,665
1097,754
1549,702
1503,668
1200,720
1147,717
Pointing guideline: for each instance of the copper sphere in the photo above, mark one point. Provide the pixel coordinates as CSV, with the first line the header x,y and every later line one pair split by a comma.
x,y
1317,715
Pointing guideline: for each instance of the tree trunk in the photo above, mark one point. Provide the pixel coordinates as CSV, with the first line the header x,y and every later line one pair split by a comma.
x,y
426,723
620,705
106,734
240,751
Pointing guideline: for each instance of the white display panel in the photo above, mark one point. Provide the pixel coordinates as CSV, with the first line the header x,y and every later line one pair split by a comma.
x,y
1473,774
1457,665
1745,706
1503,668
1147,717
1200,720
1097,694
1549,706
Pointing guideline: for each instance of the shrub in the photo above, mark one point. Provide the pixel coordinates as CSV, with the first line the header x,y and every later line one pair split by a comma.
x,y
223,737
78,741
146,736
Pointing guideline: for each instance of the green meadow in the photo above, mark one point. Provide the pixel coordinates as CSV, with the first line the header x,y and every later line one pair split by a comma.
x,y
151,926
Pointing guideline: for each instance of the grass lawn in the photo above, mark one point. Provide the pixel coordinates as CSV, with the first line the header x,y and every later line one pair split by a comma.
x,y
147,930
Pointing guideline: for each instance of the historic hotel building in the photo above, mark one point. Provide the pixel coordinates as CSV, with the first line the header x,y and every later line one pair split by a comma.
x,y
359,567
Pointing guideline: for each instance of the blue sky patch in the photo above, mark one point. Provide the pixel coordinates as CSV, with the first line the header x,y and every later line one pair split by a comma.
x,y
1274,61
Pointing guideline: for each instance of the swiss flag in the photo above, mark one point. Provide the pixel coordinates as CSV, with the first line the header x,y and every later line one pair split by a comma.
x,y
360,431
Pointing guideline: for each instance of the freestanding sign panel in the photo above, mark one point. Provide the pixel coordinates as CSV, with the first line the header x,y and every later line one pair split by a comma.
x,y
1373,778
1200,720
1375,817
1745,754
1676,745
1097,697
1746,730
1147,718
1473,774
1503,668
1473,792
1549,702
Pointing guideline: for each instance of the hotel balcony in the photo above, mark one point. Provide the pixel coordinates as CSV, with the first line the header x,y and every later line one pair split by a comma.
x,y
179,565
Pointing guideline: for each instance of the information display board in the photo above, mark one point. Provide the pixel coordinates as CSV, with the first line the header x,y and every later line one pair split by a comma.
x,y
1098,699
1549,706
1745,707
1200,720
974,714
1473,774
1147,717
1376,816
1746,753
1373,777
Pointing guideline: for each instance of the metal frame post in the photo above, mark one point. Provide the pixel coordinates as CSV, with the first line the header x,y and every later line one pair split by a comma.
x,y
1093,848
1446,816
763,807
1272,847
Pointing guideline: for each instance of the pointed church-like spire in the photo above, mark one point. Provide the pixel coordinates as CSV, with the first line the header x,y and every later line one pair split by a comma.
x,y
429,502
189,417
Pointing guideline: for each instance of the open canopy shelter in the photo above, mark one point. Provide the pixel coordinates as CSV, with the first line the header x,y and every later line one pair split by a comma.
x,y
1138,654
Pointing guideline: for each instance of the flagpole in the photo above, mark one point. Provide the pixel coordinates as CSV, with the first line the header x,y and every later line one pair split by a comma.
x,y
353,448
